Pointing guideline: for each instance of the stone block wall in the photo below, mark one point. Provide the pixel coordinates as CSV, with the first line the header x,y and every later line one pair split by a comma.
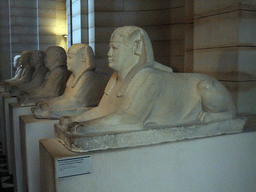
x,y
225,47
162,20
23,25
52,23
5,59
29,25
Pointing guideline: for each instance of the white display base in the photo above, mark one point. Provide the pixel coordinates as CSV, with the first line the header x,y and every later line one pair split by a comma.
x,y
221,163
2,116
15,112
7,131
31,131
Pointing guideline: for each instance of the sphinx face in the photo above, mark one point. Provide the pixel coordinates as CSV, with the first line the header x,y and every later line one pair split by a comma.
x,y
35,58
50,59
24,59
72,61
120,54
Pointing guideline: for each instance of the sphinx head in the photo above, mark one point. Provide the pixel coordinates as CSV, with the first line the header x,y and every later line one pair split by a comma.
x,y
25,58
55,56
80,58
37,57
16,62
128,47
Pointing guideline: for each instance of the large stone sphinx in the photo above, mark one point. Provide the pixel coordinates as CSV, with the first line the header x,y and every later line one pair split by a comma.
x,y
37,61
84,87
54,81
143,95
25,74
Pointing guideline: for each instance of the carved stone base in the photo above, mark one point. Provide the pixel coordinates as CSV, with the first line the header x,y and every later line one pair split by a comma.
x,y
152,136
32,101
58,113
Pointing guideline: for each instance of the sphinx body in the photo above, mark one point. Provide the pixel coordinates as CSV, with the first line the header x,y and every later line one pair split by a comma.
x,y
18,66
84,87
26,72
54,81
140,94
37,60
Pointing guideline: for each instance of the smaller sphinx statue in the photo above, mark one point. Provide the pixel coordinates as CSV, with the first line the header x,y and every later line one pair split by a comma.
x,y
143,94
37,61
26,72
17,75
55,80
84,88
17,66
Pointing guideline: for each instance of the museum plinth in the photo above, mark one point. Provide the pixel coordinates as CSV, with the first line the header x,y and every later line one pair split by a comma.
x,y
222,163
147,136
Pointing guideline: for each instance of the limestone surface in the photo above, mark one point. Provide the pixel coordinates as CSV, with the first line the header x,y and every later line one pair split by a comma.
x,y
145,137
142,93
37,61
55,80
84,88
26,72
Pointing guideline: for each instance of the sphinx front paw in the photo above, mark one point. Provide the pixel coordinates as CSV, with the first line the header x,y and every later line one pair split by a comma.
x,y
75,127
65,120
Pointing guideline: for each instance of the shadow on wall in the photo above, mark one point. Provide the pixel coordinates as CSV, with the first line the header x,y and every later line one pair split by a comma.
x,y
235,81
177,64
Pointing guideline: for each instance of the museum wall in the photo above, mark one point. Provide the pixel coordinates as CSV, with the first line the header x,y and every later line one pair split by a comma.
x,y
225,47
29,25
93,22
163,21
5,66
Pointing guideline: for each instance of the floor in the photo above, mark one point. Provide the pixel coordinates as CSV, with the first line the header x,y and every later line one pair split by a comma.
x,y
5,178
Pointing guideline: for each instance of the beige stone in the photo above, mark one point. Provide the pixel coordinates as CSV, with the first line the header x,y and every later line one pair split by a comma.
x,y
55,80
217,31
132,5
156,17
17,64
235,28
27,71
143,94
240,60
37,61
84,88
244,96
150,136
207,7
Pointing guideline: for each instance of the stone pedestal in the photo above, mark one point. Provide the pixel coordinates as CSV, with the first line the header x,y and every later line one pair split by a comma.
x,y
7,132
15,112
147,136
222,163
2,118
31,131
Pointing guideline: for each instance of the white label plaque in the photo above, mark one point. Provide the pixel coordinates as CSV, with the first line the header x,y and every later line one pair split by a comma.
x,y
73,166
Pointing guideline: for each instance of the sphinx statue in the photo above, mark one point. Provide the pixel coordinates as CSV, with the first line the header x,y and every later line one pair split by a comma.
x,y
17,75
84,87
17,67
26,72
37,61
143,94
55,80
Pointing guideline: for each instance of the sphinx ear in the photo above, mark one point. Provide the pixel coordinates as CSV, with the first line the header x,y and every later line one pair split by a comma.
x,y
83,57
137,47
